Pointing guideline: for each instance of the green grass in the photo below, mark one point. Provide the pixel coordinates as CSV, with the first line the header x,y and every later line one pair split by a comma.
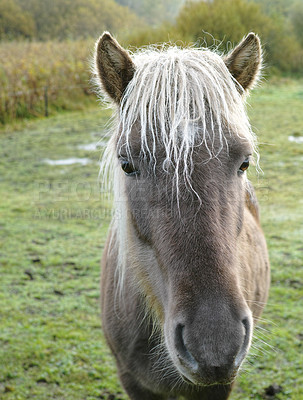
x,y
53,226
52,230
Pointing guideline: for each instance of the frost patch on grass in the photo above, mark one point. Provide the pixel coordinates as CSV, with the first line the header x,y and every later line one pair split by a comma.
x,y
296,139
92,146
68,161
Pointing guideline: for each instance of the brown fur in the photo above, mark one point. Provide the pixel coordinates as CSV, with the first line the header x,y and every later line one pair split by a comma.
x,y
244,62
114,65
197,272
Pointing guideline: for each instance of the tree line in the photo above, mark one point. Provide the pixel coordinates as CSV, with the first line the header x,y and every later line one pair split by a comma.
x,y
63,19
79,19
222,23
139,22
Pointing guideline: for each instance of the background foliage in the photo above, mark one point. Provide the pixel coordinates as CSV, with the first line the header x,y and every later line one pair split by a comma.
x,y
66,19
224,22
48,44
154,11
28,69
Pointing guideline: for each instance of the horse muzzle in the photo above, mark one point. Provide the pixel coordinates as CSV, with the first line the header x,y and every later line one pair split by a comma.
x,y
214,356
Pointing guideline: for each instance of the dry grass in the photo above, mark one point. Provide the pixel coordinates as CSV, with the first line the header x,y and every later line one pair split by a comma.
x,y
27,68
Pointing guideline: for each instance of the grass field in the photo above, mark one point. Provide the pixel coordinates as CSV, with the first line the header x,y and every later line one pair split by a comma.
x,y
53,225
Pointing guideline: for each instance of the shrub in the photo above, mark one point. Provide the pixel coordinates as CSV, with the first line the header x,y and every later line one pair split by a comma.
x,y
223,23
27,68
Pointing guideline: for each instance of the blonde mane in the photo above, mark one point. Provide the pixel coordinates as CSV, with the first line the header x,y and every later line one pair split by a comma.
x,y
184,98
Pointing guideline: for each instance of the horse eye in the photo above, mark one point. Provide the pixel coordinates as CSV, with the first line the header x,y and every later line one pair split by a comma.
x,y
128,168
244,166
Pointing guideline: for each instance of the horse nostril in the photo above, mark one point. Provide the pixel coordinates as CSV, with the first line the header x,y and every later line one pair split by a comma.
x,y
246,342
183,354
247,327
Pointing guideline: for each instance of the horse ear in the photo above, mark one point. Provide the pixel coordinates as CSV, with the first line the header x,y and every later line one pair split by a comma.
x,y
245,61
114,66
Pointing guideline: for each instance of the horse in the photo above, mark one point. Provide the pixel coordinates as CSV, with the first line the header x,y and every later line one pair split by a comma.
x,y
185,269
